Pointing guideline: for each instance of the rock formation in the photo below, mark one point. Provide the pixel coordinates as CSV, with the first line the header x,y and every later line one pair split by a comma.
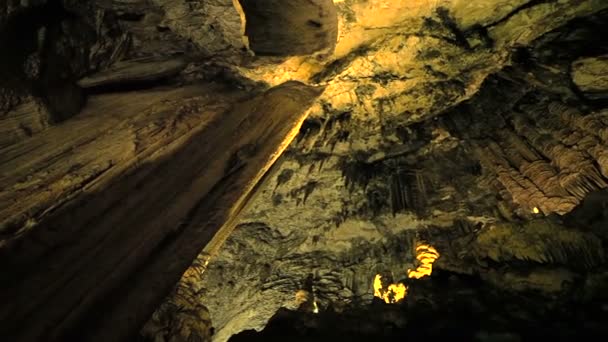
x,y
136,135
433,125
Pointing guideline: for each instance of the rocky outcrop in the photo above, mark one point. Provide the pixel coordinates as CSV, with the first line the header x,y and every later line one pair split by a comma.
x,y
186,145
49,51
546,163
24,120
589,75
214,27
541,242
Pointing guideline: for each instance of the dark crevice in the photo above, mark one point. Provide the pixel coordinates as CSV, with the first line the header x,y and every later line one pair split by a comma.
x,y
450,24
515,11
129,86
339,65
55,40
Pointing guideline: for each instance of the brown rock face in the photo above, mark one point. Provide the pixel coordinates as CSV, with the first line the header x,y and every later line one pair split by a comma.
x,y
589,75
288,28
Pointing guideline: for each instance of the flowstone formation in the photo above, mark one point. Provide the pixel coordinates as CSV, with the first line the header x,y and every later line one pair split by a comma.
x,y
472,126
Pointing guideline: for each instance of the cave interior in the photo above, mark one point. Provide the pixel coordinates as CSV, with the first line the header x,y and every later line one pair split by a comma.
x,y
306,170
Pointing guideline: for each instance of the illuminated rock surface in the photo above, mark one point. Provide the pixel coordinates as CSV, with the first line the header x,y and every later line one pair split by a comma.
x,y
372,170
477,127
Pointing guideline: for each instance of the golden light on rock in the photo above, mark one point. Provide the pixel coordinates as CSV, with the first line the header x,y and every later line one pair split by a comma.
x,y
394,293
427,255
301,297
239,9
535,210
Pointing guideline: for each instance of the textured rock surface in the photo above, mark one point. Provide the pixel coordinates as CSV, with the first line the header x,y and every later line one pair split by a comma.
x,y
589,75
23,121
298,27
213,26
445,307
197,152
438,124
130,72
470,125
47,49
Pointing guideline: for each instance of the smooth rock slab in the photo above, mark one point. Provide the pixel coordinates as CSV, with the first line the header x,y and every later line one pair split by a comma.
x,y
135,71
141,196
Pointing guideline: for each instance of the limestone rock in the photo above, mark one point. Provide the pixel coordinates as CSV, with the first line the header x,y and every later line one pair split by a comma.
x,y
214,26
548,282
449,123
23,121
591,76
130,72
230,139
297,27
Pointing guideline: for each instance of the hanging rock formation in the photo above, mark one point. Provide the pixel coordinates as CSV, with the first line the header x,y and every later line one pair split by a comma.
x,y
300,27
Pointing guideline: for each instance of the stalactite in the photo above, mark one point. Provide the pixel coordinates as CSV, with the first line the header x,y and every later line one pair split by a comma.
x,y
492,158
600,153
591,124
421,188
357,173
518,144
524,192
510,153
540,141
593,129
545,177
542,242
408,191
528,162
183,314
577,173
401,196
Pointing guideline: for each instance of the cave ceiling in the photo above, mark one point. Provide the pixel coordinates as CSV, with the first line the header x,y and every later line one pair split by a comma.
x,y
478,127
428,121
